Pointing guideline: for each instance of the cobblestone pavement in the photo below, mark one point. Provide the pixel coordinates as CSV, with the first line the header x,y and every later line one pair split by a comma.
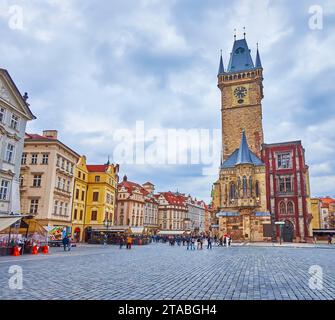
x,y
158,271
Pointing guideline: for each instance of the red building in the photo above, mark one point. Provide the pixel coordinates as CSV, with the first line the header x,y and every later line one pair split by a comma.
x,y
287,183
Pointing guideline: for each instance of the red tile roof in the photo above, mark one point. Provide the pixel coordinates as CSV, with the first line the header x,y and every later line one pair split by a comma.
x,y
131,186
34,136
97,168
174,199
326,201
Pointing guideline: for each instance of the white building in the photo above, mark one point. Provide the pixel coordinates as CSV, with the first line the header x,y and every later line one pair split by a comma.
x,y
14,114
195,215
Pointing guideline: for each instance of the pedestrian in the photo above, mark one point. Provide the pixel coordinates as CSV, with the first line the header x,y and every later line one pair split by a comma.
x,y
198,244
69,243
129,242
65,242
224,241
209,243
329,239
229,240
121,242
105,239
315,239
192,243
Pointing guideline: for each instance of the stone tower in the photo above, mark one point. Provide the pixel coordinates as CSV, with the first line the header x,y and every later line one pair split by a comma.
x,y
241,96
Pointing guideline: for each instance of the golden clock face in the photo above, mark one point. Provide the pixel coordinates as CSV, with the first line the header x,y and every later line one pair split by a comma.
x,y
240,94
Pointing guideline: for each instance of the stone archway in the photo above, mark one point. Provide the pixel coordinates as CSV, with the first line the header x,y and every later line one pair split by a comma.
x,y
288,231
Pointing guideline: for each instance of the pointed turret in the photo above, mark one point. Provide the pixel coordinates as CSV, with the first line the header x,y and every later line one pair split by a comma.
x,y
244,155
221,67
258,59
240,58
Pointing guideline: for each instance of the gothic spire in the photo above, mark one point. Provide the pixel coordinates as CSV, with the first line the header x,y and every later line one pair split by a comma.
x,y
258,59
244,155
221,67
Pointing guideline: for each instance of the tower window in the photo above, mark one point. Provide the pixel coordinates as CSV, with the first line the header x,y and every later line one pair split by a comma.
x,y
284,160
245,187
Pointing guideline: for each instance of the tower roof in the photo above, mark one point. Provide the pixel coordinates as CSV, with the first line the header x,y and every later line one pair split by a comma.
x,y
242,155
240,58
221,67
258,63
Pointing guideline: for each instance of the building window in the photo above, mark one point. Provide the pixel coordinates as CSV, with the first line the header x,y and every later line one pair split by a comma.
x,y
284,160
56,207
4,190
68,186
9,153
60,208
282,207
250,185
79,174
21,180
45,159
77,194
245,187
14,123
64,184
96,196
82,195
290,208
285,184
67,166
97,178
24,158
2,114
34,158
59,183
84,176
37,180
232,194
65,209
33,206
81,214
58,161
257,189
94,215
63,163
75,214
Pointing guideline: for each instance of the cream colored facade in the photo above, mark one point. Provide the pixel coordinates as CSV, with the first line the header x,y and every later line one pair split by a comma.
x,y
14,114
315,205
47,178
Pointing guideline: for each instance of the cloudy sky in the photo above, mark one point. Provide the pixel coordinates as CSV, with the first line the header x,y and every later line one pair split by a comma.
x,y
93,67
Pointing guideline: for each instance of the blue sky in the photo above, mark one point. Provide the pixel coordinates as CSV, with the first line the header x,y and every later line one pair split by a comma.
x,y
91,67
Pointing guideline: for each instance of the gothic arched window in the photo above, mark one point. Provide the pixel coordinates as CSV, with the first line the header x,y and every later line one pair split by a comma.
x,y
245,186
232,192
282,207
257,189
290,208
250,185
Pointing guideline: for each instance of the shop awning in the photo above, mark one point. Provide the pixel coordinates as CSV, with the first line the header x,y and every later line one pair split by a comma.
x,y
7,221
138,230
170,233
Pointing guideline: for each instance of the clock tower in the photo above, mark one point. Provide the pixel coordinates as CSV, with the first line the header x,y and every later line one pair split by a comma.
x,y
241,96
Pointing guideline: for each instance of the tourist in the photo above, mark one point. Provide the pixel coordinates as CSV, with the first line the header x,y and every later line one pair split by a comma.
x,y
129,242
65,242
229,240
198,244
329,239
121,242
224,241
105,239
69,243
209,243
192,243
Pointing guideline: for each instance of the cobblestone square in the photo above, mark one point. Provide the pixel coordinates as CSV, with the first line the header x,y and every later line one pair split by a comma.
x,y
159,271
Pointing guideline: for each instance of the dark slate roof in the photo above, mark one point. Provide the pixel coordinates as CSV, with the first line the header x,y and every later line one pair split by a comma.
x,y
242,155
258,63
221,67
240,58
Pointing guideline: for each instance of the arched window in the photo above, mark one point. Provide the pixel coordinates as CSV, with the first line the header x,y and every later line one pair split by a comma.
x,y
282,207
257,189
245,186
250,185
232,193
290,208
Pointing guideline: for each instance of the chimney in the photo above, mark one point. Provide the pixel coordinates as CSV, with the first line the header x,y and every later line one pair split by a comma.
x,y
51,134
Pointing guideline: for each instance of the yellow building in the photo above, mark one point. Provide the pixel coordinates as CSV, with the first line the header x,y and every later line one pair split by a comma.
x,y
79,199
315,205
94,198
101,196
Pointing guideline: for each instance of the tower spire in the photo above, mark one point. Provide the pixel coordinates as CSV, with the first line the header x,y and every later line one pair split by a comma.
x,y
258,63
221,67
244,155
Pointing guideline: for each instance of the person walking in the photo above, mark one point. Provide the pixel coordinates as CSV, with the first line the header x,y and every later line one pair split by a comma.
x,y
224,241
330,239
198,244
69,243
229,240
121,242
209,243
129,242
65,242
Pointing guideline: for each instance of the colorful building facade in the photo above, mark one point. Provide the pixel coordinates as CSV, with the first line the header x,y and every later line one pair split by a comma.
x,y
14,114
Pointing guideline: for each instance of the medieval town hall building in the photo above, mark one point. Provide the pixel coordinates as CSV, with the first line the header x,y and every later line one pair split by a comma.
x,y
259,184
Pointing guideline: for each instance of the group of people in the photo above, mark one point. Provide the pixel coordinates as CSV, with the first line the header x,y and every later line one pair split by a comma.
x,y
126,240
